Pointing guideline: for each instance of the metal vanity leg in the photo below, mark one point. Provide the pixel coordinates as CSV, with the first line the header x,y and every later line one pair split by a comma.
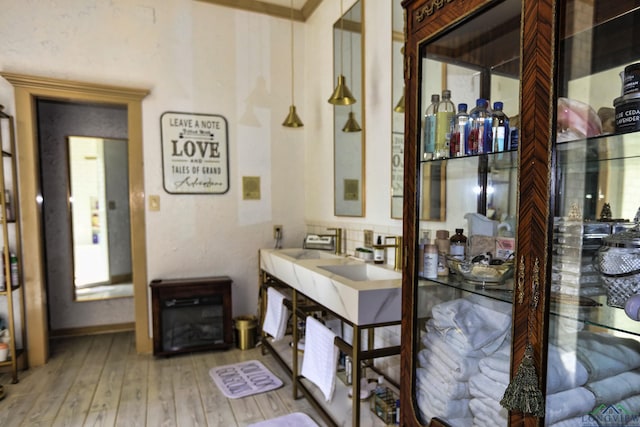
x,y
356,375
294,349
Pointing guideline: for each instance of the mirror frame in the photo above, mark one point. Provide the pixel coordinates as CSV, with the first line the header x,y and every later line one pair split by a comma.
x,y
355,186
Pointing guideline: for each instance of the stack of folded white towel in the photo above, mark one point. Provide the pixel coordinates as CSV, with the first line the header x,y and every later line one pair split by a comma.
x,y
460,333
464,369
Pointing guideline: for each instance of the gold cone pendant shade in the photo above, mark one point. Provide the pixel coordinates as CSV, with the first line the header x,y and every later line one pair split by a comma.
x,y
341,94
292,120
399,108
352,124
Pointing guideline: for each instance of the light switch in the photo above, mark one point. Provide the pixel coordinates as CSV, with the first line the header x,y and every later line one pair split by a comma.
x,y
154,202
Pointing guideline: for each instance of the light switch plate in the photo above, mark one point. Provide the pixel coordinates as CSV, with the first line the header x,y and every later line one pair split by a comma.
x,y
154,202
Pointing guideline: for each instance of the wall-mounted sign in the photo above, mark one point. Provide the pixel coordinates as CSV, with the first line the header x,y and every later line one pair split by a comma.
x,y
195,153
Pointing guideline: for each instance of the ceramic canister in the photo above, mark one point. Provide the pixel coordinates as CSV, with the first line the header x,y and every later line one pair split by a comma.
x,y
627,113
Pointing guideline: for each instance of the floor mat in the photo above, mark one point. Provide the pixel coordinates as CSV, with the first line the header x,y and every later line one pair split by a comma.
x,y
244,379
297,419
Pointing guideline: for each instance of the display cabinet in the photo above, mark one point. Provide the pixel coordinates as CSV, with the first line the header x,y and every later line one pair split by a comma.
x,y
12,331
539,324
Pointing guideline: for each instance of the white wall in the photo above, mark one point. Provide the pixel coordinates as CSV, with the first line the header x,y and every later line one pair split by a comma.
x,y
194,57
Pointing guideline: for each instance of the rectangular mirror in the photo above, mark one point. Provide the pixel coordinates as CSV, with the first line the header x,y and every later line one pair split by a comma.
x,y
397,97
99,207
349,147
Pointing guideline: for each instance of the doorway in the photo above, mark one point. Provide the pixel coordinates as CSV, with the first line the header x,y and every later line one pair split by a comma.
x,y
75,233
28,90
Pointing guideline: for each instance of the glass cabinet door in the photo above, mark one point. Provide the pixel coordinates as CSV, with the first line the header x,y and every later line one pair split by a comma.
x,y
466,212
593,356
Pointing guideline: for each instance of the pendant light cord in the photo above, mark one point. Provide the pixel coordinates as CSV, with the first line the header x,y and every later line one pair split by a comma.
x,y
341,41
292,75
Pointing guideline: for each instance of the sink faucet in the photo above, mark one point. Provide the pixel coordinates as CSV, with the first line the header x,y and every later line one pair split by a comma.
x,y
338,235
397,245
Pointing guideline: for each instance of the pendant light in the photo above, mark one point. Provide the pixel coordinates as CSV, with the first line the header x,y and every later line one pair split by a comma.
x,y
352,124
292,120
399,108
341,94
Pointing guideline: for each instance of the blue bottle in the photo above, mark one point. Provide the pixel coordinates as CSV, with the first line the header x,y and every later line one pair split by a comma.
x,y
480,140
500,128
429,143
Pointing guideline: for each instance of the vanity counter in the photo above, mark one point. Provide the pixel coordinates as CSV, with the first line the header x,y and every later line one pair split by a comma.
x,y
360,300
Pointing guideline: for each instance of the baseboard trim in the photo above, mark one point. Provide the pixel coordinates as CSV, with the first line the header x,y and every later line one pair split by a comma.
x,y
92,330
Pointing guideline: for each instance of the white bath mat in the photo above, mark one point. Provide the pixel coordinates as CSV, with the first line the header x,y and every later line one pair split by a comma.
x,y
297,419
244,379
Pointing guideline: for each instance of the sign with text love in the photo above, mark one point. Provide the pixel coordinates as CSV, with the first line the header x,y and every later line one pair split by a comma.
x,y
195,153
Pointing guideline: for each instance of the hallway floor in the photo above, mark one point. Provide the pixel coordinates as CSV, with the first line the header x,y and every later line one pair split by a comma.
x,y
99,380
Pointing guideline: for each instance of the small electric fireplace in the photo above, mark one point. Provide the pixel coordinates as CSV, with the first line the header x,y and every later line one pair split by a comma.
x,y
191,315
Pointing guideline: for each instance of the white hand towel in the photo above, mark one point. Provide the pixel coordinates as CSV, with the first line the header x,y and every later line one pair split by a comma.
x,y
484,387
275,319
430,403
568,404
581,421
486,415
605,355
614,389
320,360
459,370
564,370
484,327
431,380
496,367
447,344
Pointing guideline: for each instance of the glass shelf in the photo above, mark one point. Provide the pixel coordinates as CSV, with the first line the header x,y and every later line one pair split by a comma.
x,y
599,314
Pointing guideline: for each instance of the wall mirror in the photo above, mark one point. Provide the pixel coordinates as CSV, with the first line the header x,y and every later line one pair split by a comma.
x,y
99,208
432,181
348,142
397,97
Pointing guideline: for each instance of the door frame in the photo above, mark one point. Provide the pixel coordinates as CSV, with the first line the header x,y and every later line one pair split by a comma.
x,y
27,90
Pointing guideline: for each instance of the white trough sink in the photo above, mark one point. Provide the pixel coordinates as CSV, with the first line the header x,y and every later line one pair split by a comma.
x,y
362,272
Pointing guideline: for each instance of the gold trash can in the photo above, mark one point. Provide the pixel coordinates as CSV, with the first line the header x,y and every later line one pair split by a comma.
x,y
245,332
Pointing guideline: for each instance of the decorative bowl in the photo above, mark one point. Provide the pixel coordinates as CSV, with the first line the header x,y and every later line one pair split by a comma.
x,y
482,271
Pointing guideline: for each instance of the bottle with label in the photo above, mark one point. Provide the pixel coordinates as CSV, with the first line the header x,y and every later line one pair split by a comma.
x,y
421,246
429,143
444,115
458,244
480,140
443,243
3,279
459,132
13,264
378,253
499,128
430,260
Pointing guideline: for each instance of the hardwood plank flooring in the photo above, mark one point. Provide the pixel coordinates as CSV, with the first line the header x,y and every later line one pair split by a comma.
x,y
99,380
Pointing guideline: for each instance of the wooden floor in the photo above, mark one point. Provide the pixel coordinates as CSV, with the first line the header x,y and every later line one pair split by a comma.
x,y
100,381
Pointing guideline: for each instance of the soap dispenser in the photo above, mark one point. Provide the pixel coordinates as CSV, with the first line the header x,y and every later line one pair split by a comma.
x,y
378,252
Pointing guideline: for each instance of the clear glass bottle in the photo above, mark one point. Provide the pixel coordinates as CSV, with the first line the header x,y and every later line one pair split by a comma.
x,y
459,132
480,133
429,143
430,260
443,243
458,247
499,128
444,115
